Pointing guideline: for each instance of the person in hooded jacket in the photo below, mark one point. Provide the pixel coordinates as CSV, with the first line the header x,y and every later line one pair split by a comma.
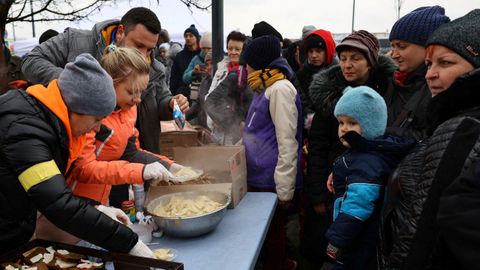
x,y
427,212
359,176
407,95
319,47
41,135
272,137
360,64
139,28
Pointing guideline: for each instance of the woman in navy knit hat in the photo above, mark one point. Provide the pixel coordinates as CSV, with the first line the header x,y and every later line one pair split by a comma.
x,y
407,95
431,220
272,137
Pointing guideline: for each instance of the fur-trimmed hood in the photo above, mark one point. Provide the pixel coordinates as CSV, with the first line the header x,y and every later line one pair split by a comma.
x,y
327,86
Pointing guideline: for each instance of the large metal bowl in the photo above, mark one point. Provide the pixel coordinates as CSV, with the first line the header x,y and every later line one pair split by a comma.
x,y
194,225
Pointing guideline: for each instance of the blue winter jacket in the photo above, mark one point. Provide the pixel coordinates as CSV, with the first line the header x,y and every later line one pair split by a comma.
x,y
359,177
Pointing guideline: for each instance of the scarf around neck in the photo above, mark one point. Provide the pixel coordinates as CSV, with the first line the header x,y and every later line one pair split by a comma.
x,y
262,79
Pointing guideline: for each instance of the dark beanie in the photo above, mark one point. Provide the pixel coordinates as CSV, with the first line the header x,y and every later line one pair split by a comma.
x,y
262,51
314,41
264,29
416,26
86,88
364,41
461,36
47,35
193,31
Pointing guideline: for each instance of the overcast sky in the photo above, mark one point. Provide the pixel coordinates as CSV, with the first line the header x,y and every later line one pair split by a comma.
x,y
288,17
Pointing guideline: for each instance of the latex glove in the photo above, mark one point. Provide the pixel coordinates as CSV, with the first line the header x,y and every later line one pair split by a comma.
x,y
115,214
141,250
175,167
155,170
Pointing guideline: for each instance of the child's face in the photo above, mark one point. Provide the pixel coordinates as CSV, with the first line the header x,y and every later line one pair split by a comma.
x,y
346,124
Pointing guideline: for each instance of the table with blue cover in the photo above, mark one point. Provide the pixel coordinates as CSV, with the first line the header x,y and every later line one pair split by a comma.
x,y
234,244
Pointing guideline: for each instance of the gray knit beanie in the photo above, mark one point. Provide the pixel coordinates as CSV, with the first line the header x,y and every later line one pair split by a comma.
x,y
86,87
462,36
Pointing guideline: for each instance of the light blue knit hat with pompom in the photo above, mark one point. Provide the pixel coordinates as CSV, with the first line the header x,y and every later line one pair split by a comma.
x,y
367,107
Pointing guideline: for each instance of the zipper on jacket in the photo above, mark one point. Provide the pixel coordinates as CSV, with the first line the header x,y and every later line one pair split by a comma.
x,y
104,143
251,119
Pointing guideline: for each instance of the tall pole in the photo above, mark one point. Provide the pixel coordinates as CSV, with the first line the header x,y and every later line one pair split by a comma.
x,y
33,21
13,29
353,17
217,32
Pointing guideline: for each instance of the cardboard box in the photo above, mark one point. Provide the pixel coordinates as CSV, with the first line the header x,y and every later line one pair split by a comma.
x,y
173,136
120,261
225,163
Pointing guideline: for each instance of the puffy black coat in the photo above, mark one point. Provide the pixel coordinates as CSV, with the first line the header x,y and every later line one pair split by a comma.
x,y
324,146
414,235
407,105
30,134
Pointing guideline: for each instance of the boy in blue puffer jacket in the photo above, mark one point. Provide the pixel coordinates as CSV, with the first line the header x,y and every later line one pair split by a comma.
x,y
359,176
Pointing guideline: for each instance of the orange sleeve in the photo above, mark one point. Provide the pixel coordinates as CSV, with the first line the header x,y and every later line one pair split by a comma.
x,y
137,143
89,170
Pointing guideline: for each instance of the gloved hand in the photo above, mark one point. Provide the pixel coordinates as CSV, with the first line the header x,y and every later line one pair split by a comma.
x,y
115,214
155,170
141,250
175,167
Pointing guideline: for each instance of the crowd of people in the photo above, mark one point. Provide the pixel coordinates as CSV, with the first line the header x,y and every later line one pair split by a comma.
x,y
376,155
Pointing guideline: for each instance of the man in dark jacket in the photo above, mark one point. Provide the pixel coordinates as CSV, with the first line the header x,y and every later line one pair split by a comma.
x,y
41,135
183,58
139,28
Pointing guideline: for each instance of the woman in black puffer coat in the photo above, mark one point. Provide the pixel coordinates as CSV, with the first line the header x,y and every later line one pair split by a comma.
x,y
427,214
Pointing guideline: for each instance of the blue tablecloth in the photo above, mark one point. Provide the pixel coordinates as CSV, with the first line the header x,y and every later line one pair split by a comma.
x,y
234,244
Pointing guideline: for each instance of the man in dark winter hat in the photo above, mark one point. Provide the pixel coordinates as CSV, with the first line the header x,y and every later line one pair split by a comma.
x,y
193,30
42,135
274,121
263,29
183,59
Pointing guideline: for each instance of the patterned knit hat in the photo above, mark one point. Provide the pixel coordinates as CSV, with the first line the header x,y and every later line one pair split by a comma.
x,y
364,41
367,107
416,26
262,51
462,36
